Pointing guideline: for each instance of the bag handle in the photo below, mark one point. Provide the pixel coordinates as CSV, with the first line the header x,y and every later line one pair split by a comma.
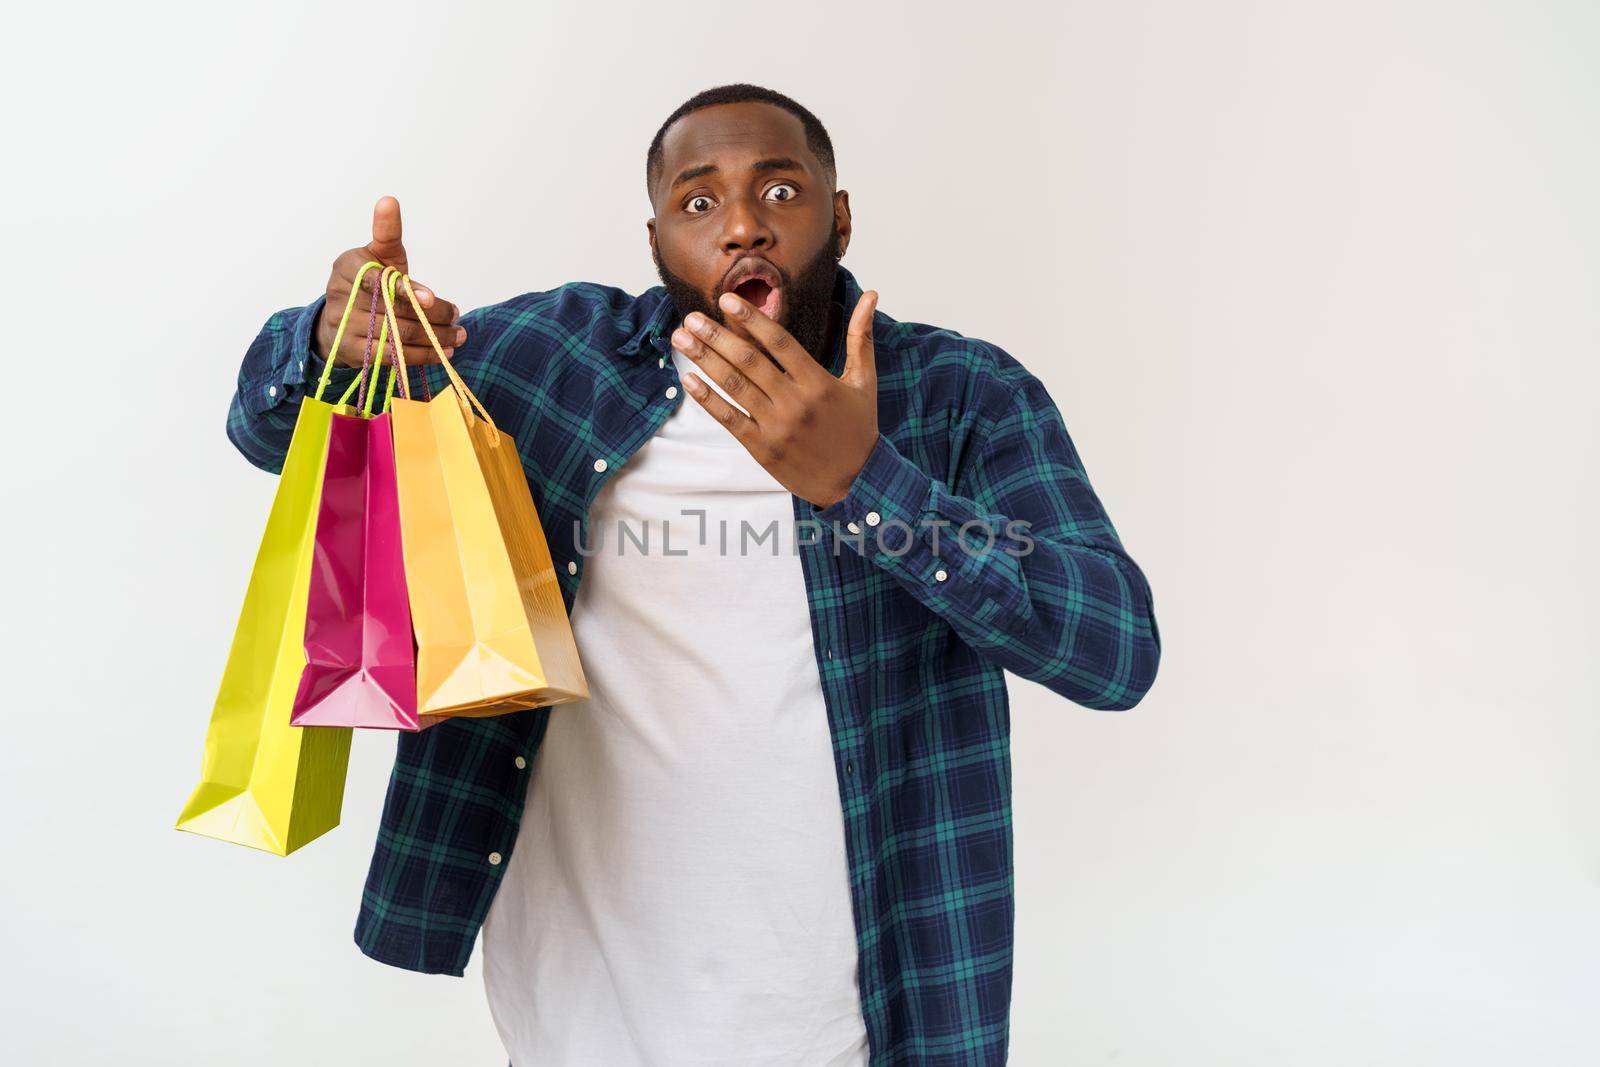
x,y
444,360
462,392
397,367
338,336
364,401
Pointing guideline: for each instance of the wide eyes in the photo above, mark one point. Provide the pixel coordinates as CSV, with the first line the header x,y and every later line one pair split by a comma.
x,y
700,198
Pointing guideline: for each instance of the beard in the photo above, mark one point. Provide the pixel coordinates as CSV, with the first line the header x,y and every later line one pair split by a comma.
x,y
807,296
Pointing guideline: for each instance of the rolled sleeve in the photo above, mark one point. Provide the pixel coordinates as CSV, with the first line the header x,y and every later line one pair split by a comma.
x,y
278,370
283,366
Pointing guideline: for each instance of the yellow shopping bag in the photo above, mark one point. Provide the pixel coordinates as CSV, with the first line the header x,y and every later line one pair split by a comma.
x,y
264,783
492,630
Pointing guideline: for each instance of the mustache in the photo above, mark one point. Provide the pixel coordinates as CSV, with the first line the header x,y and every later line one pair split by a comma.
x,y
808,298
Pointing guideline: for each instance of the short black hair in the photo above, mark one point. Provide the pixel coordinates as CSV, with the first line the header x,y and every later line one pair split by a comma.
x,y
738,93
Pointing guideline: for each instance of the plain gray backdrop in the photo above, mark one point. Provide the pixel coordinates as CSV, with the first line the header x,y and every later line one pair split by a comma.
x,y
1314,285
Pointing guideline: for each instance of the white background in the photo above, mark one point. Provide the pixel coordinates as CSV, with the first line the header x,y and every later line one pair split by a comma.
x,y
1314,285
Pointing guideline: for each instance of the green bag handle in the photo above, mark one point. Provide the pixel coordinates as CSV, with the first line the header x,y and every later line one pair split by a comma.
x,y
366,396
338,337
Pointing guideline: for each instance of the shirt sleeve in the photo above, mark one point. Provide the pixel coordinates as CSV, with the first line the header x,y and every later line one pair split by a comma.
x,y
280,367
1017,554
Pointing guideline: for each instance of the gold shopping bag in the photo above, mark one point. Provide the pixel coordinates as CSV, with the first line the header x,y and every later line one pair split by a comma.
x,y
492,630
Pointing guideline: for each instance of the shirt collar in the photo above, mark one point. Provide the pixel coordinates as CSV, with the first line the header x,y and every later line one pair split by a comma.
x,y
663,317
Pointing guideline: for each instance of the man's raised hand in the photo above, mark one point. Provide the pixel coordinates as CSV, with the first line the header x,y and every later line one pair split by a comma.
x,y
811,431
386,248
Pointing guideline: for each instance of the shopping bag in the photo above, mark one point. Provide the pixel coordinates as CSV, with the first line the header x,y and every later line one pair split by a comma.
x,y
492,630
360,654
263,782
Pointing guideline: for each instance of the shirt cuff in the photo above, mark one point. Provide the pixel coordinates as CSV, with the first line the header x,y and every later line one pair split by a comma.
x,y
293,368
881,515
888,486
941,547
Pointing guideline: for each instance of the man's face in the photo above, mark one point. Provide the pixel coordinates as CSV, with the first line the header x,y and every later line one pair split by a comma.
x,y
739,183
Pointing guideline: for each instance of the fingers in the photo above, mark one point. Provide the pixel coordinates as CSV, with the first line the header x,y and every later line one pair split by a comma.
x,y
414,346
444,317
413,338
743,370
411,333
386,248
369,281
417,354
737,422
385,245
440,312
349,264
345,268
739,329
779,342
860,364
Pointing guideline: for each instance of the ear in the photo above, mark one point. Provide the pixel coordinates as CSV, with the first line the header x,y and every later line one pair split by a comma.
x,y
841,218
650,224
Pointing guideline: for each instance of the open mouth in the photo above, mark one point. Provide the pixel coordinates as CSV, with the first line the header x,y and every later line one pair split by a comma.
x,y
762,294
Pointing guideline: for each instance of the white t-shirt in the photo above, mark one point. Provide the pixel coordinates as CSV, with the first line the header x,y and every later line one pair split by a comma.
x,y
678,893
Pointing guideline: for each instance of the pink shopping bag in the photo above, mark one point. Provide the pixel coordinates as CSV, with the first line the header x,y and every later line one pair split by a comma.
x,y
360,650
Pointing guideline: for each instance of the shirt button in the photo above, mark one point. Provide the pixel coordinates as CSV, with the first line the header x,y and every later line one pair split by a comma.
x,y
850,768
662,362
872,518
522,763
599,464
494,859
672,391
572,567
939,575
830,653
272,390
852,527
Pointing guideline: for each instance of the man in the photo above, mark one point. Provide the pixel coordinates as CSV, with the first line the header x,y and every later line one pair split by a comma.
x,y
779,831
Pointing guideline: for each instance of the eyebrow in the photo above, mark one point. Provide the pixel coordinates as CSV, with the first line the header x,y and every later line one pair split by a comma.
x,y
771,163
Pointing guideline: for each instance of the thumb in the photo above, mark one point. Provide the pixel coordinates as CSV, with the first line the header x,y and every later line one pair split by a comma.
x,y
385,245
861,362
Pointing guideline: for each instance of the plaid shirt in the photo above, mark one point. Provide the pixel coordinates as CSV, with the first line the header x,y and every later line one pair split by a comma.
x,y
912,633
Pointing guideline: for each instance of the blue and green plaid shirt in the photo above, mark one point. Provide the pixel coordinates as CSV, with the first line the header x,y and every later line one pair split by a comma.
x,y
914,625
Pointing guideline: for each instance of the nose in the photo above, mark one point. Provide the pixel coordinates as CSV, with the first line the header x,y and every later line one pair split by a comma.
x,y
744,226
